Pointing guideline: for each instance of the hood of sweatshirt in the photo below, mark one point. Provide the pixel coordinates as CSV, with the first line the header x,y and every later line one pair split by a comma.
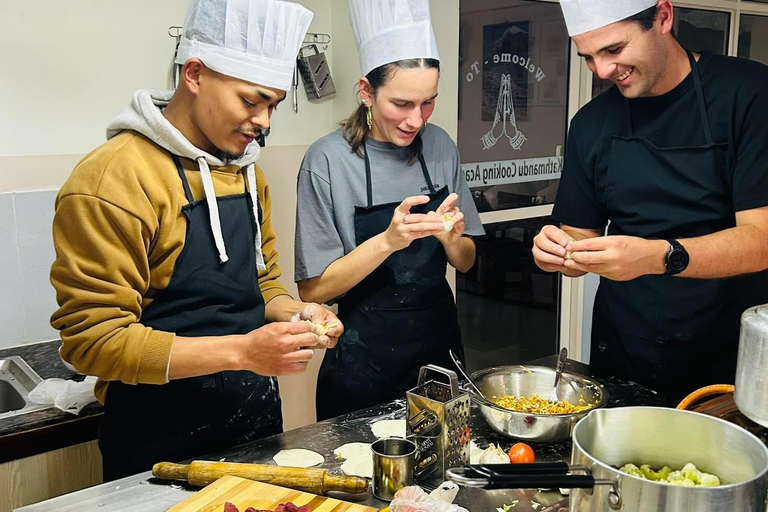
x,y
144,115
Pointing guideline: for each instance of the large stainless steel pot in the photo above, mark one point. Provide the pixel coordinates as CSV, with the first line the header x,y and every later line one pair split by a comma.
x,y
609,438
519,380
751,395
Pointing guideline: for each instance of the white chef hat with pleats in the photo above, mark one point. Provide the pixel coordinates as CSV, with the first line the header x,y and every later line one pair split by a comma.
x,y
253,40
392,30
584,15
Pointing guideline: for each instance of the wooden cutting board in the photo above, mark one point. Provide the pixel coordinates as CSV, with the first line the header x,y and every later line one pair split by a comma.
x,y
247,493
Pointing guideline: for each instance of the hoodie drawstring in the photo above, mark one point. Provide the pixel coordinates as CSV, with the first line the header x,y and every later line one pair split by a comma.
x,y
213,208
251,174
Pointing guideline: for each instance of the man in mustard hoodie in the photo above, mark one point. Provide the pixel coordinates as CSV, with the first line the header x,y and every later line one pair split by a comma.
x,y
166,271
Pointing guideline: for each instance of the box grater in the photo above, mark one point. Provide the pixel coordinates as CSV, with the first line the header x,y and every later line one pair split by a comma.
x,y
315,73
438,422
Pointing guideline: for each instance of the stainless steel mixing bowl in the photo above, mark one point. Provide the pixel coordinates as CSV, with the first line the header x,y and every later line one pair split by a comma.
x,y
521,380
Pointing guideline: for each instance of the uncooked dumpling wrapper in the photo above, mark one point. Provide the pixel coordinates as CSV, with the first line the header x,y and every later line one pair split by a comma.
x,y
322,329
298,458
389,428
362,467
353,451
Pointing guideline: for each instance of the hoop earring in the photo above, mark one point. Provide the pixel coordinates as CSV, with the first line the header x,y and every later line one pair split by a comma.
x,y
369,118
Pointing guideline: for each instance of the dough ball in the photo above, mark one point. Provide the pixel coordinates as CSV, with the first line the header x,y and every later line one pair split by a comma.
x,y
298,458
389,428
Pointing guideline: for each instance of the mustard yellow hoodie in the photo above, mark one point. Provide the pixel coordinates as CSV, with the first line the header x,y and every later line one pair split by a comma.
x,y
118,231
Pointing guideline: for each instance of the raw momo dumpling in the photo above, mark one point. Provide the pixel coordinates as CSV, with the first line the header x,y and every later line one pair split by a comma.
x,y
447,223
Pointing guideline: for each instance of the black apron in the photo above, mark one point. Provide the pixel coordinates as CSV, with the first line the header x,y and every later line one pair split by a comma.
x,y
144,424
671,334
399,318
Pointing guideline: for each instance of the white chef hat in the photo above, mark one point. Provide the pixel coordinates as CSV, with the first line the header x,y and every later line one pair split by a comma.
x,y
585,15
253,40
392,30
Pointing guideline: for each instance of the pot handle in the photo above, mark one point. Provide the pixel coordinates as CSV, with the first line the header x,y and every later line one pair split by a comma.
x,y
521,476
715,389
541,482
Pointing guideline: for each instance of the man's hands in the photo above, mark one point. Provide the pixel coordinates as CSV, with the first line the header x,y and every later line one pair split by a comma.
x,y
285,348
619,258
278,348
549,248
323,322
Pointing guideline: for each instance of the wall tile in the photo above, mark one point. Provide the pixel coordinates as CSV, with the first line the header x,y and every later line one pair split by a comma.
x,y
34,217
11,282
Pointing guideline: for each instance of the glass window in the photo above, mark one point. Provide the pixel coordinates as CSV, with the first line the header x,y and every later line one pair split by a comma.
x,y
753,37
697,30
507,305
512,101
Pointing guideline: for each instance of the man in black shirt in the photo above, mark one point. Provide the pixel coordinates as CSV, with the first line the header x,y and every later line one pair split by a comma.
x,y
673,160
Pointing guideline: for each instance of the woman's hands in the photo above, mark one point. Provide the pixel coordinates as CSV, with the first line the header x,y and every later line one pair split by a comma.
x,y
406,227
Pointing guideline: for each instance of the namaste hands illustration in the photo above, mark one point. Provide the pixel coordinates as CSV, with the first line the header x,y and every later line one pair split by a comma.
x,y
505,115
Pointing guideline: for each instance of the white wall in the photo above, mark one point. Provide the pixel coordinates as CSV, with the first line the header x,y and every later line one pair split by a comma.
x,y
69,67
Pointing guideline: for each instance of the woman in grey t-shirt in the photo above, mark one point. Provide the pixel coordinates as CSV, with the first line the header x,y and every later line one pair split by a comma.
x,y
376,200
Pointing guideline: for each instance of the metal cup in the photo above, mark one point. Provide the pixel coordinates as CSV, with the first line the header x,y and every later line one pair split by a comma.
x,y
393,461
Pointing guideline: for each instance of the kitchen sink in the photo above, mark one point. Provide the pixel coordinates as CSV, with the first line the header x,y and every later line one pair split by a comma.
x,y
17,379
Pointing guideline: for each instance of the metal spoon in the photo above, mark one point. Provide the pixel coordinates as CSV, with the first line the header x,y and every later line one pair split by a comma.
x,y
559,373
475,390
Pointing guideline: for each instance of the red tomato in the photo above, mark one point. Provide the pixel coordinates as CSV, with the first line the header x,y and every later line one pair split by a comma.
x,y
521,453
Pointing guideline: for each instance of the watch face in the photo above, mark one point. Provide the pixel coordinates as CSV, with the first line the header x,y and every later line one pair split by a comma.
x,y
678,260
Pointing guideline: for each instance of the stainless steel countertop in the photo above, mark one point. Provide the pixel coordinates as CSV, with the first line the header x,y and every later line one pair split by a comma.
x,y
134,493
143,493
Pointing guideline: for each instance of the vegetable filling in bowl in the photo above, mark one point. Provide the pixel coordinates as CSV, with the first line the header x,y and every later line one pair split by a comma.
x,y
537,405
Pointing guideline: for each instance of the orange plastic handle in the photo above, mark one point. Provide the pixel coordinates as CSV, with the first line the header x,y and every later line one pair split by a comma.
x,y
715,389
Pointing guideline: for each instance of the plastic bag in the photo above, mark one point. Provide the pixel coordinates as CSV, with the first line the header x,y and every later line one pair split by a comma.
x,y
414,499
67,395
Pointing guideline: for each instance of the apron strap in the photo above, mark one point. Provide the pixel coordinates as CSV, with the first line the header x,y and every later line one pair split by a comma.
x,y
425,171
183,176
367,175
700,97
368,186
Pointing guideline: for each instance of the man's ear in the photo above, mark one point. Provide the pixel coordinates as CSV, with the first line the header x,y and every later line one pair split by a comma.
x,y
191,73
666,17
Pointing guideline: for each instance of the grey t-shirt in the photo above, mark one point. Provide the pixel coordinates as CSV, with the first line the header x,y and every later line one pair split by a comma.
x,y
332,182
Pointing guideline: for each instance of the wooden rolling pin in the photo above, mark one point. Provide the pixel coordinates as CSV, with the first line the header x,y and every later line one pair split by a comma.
x,y
315,480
